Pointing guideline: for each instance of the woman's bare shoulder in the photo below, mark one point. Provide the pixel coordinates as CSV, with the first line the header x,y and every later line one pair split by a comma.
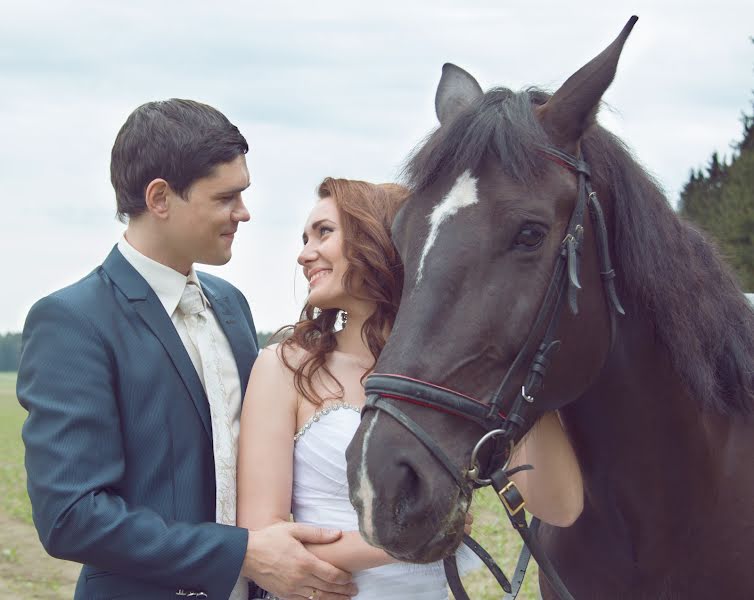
x,y
291,353
271,381
284,357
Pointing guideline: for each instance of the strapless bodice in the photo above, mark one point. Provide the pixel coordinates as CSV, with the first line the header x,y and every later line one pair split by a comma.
x,y
320,497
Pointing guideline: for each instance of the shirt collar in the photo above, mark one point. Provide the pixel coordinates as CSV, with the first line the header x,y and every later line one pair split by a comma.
x,y
168,284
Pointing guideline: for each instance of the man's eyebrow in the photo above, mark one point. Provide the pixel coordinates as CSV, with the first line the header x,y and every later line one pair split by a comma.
x,y
233,191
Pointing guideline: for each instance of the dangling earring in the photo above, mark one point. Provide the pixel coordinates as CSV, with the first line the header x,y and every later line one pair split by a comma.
x,y
343,318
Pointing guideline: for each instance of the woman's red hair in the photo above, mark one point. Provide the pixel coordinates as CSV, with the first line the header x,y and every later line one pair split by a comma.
x,y
374,269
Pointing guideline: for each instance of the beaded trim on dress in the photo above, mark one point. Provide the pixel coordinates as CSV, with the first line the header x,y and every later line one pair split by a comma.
x,y
321,413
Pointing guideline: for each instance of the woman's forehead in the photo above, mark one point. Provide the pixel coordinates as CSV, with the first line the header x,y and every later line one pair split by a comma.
x,y
324,209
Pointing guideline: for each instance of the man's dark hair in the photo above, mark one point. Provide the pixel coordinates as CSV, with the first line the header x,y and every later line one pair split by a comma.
x,y
179,141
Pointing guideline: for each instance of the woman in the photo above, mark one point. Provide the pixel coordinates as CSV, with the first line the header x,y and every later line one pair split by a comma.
x,y
304,396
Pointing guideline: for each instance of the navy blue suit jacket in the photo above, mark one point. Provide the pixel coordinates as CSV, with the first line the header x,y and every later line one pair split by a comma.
x,y
118,438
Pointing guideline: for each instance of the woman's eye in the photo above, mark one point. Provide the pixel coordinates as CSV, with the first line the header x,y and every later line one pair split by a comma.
x,y
324,230
529,237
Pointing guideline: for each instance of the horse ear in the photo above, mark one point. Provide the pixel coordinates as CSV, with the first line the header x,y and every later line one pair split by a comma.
x,y
572,109
455,92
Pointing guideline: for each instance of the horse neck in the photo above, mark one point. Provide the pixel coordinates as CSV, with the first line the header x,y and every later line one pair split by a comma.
x,y
642,442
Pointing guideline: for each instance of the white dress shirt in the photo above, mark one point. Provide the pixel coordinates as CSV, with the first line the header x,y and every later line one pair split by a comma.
x,y
168,285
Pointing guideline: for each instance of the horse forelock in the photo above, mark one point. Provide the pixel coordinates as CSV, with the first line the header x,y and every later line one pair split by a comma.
x,y
501,123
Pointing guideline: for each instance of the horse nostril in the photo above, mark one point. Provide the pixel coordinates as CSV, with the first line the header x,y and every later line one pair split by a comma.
x,y
406,498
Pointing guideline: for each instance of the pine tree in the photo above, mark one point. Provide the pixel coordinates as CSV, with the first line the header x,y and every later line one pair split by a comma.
x,y
720,200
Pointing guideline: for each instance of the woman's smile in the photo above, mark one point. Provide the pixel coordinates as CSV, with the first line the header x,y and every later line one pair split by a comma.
x,y
318,274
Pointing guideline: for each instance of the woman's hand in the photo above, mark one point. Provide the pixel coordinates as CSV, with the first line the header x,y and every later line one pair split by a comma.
x,y
467,523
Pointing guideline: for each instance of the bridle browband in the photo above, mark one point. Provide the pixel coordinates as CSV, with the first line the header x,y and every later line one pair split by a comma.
x,y
504,428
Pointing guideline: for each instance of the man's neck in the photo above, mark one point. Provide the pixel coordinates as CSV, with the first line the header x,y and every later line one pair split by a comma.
x,y
149,243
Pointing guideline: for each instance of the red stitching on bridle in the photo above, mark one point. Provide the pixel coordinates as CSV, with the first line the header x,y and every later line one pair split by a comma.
x,y
429,405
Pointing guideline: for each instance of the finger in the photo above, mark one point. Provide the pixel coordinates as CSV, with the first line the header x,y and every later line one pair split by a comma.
x,y
339,589
315,535
469,518
325,590
320,595
327,574
331,596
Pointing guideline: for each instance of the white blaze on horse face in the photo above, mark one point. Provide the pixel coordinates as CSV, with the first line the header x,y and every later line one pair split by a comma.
x,y
462,194
366,491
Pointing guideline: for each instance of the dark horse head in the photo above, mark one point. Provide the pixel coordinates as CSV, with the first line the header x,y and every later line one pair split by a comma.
x,y
656,402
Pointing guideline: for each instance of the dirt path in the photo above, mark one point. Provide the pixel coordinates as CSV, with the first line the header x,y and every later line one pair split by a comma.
x,y
26,571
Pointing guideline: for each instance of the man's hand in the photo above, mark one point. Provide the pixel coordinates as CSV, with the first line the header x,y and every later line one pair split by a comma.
x,y
277,561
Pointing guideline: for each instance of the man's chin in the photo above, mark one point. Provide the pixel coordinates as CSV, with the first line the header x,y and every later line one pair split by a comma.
x,y
214,261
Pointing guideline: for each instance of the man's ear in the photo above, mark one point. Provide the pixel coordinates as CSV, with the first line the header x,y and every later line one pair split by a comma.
x,y
156,198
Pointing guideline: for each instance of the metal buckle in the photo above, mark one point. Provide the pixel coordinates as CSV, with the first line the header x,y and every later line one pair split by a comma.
x,y
504,500
472,472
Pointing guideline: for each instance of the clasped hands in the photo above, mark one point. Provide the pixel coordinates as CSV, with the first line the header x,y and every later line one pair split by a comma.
x,y
278,562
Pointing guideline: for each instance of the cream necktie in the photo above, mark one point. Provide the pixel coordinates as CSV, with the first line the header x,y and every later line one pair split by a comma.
x,y
200,333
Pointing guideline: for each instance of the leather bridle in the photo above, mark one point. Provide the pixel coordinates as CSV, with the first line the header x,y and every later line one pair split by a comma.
x,y
505,428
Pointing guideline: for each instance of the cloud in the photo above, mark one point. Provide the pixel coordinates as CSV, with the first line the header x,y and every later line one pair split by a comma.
x,y
327,88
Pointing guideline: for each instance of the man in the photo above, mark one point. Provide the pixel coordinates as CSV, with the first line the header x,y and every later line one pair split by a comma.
x,y
133,379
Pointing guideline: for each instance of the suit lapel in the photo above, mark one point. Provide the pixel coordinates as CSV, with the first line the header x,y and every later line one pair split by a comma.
x,y
231,321
146,304
154,315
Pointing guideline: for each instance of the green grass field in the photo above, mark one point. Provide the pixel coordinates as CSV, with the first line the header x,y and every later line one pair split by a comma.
x,y
492,530
490,526
13,499
25,569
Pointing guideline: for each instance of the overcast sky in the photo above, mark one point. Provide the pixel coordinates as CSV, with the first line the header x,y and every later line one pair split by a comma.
x,y
318,88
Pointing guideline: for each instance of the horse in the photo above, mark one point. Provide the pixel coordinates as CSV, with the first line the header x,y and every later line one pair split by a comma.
x,y
649,356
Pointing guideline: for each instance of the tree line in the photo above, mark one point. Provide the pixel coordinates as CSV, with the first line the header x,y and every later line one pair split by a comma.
x,y
10,351
10,348
720,200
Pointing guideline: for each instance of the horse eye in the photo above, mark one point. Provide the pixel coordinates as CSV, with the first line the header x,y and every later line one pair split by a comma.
x,y
529,238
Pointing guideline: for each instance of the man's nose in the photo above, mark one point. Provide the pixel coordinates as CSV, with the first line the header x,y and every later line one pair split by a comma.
x,y
241,213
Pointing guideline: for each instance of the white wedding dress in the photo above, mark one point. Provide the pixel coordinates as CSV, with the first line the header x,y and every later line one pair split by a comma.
x,y
320,497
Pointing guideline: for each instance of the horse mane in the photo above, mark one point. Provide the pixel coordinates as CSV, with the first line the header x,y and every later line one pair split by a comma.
x,y
669,271
666,269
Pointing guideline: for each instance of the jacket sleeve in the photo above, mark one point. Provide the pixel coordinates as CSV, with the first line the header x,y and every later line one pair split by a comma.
x,y
75,461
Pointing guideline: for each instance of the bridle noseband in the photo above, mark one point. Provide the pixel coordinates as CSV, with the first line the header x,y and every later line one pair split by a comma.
x,y
504,428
